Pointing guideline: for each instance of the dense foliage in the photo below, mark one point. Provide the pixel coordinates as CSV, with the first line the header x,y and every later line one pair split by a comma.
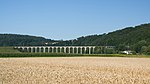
x,y
23,40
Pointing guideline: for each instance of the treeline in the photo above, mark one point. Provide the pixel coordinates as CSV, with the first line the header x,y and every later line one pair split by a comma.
x,y
23,40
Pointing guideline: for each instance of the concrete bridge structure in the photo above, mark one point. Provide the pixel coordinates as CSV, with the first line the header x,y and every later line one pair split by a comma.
x,y
58,49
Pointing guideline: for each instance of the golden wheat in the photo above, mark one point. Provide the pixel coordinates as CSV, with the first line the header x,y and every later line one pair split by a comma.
x,y
75,70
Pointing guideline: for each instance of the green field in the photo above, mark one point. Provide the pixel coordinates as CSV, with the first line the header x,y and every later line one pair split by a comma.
x,y
10,52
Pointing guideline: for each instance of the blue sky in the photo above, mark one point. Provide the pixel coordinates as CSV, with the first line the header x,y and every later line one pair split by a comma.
x,y
69,19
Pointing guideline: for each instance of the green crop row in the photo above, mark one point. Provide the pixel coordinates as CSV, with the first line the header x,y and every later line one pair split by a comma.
x,y
37,55
65,55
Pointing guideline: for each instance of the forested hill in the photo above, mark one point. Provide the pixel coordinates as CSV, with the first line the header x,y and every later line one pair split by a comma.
x,y
23,40
126,36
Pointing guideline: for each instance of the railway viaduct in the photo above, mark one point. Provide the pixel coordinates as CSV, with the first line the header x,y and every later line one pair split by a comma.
x,y
58,49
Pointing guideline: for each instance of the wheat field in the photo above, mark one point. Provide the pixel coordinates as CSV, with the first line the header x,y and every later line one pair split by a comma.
x,y
75,70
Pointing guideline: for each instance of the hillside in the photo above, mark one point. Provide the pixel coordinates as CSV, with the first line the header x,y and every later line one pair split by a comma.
x,y
135,38
126,36
131,38
23,40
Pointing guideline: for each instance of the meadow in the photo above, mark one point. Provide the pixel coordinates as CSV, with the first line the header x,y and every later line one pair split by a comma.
x,y
75,70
